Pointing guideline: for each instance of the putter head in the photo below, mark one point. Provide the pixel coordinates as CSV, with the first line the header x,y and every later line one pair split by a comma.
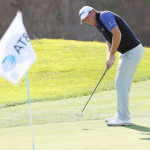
x,y
79,115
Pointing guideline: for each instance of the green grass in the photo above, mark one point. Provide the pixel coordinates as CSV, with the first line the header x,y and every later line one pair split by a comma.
x,y
56,126
66,69
102,105
71,69
82,135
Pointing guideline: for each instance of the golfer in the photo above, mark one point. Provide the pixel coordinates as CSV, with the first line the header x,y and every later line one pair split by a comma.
x,y
119,37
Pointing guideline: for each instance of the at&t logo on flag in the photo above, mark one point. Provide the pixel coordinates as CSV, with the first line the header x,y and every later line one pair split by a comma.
x,y
9,63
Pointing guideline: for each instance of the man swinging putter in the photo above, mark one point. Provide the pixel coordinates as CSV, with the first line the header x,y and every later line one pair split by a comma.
x,y
119,37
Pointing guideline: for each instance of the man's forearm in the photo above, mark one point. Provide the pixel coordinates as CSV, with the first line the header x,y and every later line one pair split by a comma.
x,y
115,44
116,39
108,48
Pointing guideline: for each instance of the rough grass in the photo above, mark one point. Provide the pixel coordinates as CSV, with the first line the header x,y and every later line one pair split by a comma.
x,y
66,69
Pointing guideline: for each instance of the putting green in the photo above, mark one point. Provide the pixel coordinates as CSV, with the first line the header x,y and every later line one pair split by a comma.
x,y
56,126
81,135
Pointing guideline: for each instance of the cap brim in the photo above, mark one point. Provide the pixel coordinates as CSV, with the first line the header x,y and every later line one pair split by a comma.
x,y
81,22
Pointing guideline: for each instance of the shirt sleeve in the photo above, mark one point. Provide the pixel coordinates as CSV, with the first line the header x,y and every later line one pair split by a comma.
x,y
109,21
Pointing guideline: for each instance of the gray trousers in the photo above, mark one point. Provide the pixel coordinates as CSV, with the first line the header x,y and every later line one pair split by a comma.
x,y
127,65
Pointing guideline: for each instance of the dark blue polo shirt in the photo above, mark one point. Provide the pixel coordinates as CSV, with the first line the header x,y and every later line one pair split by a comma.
x,y
107,20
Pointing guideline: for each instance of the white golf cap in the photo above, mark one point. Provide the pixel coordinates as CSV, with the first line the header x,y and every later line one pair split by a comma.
x,y
83,13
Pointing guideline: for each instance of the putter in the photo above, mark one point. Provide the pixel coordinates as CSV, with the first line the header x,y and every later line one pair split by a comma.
x,y
81,114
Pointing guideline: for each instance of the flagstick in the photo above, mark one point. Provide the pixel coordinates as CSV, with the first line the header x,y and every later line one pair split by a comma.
x,y
30,111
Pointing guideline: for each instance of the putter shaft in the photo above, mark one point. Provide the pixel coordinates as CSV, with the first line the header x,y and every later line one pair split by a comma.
x,y
94,90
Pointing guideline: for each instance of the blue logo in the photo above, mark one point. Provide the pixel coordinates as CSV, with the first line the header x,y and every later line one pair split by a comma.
x,y
9,63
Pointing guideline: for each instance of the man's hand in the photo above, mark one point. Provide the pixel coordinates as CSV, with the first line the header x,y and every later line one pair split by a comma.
x,y
110,61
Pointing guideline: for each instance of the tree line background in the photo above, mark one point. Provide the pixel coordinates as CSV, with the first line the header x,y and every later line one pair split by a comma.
x,y
59,19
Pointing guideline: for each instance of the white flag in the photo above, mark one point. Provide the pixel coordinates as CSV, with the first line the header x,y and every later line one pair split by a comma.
x,y
16,52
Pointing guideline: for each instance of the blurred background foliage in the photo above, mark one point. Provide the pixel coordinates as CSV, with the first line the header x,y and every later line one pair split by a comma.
x,y
59,19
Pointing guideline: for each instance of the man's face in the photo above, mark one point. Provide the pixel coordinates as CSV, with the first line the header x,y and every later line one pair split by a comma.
x,y
90,19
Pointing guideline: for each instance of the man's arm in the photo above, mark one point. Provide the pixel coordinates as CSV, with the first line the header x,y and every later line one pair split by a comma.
x,y
108,48
116,39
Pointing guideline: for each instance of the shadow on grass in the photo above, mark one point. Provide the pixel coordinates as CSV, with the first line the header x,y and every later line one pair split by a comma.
x,y
144,130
